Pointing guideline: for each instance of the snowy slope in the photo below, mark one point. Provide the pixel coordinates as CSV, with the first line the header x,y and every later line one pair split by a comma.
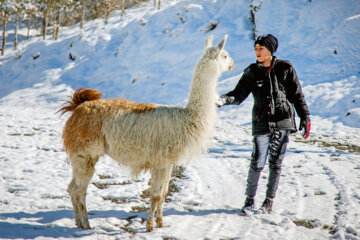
x,y
149,56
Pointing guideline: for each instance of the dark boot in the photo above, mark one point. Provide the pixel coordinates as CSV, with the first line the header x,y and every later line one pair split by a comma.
x,y
248,205
266,206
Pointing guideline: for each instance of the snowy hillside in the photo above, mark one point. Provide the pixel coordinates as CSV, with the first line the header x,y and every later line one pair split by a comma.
x,y
149,56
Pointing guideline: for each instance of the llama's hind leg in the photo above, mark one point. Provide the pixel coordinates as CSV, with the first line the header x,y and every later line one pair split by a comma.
x,y
159,187
83,170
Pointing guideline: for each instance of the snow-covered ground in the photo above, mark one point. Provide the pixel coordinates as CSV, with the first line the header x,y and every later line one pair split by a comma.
x,y
149,56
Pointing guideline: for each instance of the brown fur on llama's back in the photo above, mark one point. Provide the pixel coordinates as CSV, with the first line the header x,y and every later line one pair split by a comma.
x,y
80,95
83,128
84,94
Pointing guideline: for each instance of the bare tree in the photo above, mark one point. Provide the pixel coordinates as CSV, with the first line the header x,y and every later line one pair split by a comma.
x,y
5,18
30,11
16,28
44,11
18,7
56,8
122,7
28,27
6,8
52,14
159,4
83,8
109,6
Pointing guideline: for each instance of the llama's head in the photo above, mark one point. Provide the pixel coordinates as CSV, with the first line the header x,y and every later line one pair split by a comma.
x,y
219,54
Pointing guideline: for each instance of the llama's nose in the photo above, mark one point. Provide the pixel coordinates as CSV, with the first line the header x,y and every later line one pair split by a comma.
x,y
231,66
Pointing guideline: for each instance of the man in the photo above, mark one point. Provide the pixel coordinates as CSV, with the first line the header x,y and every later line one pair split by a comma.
x,y
276,91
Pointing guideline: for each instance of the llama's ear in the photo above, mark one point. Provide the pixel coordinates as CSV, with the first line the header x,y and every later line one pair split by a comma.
x,y
208,42
222,43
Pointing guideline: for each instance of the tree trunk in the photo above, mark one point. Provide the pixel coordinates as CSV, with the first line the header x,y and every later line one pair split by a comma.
x,y
44,22
83,14
108,9
122,8
16,29
57,21
159,3
4,33
29,25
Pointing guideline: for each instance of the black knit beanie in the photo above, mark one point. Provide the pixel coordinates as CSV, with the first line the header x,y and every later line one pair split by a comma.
x,y
268,41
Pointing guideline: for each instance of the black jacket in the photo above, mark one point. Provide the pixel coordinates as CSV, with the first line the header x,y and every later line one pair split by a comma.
x,y
275,93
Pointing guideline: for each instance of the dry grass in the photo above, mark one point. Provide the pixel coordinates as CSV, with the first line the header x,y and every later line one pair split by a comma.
x,y
310,224
105,185
117,200
339,147
139,209
331,229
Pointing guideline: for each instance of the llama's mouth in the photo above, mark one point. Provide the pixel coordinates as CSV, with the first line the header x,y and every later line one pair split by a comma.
x,y
231,67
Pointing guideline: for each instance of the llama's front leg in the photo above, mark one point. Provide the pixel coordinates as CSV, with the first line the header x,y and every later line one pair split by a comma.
x,y
83,170
153,205
159,212
165,189
159,187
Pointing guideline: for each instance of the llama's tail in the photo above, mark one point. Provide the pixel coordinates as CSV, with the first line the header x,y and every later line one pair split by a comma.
x,y
80,95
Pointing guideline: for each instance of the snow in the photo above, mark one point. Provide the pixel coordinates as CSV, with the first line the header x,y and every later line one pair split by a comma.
x,y
148,56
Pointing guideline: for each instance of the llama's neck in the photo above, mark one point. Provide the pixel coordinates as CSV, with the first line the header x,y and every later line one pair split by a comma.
x,y
203,90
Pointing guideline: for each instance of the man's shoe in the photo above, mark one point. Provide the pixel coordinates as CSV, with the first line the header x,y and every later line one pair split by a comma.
x,y
248,205
266,206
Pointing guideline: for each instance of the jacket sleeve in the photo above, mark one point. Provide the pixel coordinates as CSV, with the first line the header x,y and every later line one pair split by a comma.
x,y
295,95
241,91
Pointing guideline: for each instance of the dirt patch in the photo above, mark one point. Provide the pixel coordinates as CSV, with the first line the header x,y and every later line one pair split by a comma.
x,y
139,209
118,200
339,147
103,176
331,229
105,185
310,224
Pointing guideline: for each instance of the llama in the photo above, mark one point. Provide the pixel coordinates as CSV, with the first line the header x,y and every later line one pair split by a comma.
x,y
143,137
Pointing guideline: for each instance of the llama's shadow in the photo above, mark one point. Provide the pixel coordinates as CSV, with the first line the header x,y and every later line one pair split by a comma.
x,y
42,222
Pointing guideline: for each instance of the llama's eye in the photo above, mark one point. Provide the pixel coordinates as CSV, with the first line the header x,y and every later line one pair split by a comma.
x,y
225,56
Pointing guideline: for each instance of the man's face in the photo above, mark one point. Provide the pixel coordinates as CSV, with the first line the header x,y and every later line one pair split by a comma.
x,y
262,53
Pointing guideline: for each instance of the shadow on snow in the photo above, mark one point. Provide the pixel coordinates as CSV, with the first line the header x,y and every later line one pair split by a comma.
x,y
43,222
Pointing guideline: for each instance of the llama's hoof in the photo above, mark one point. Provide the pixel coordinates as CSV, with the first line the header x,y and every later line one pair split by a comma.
x,y
149,227
159,223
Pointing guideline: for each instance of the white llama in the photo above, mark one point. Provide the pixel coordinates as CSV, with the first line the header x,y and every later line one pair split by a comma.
x,y
141,136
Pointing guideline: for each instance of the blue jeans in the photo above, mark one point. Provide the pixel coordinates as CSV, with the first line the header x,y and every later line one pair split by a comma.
x,y
272,146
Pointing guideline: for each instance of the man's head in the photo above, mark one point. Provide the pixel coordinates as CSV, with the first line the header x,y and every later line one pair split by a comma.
x,y
265,46
268,41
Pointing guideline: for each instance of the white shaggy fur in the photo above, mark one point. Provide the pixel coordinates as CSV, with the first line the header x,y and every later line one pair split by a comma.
x,y
142,137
